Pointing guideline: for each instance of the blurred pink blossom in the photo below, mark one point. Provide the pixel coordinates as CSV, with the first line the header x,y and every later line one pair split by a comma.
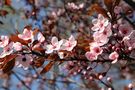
x,y
100,23
24,61
117,10
4,40
98,50
69,44
40,37
26,35
7,50
125,29
114,55
17,46
55,45
91,56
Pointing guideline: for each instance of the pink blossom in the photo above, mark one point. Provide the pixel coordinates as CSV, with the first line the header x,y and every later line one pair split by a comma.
x,y
114,56
40,37
130,40
61,55
91,56
24,61
4,40
81,5
100,23
98,50
125,29
26,35
69,44
17,46
100,40
107,32
55,45
132,54
132,35
7,50
117,10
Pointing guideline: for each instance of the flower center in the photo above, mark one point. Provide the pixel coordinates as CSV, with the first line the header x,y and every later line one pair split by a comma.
x,y
105,33
97,50
124,31
24,59
69,44
101,24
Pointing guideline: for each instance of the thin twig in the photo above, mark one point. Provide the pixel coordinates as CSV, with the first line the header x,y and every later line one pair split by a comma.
x,y
21,80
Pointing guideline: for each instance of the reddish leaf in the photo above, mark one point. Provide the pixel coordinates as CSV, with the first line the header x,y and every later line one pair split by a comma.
x,y
3,12
47,67
15,38
39,62
8,66
52,57
117,2
98,9
2,59
8,2
109,4
126,88
38,49
9,58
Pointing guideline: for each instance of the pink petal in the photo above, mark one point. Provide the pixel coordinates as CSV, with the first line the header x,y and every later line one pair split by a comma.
x,y
40,37
98,50
17,46
4,41
113,56
91,56
27,35
54,41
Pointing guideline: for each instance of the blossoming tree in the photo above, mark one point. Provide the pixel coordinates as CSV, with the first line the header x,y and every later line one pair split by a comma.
x,y
93,40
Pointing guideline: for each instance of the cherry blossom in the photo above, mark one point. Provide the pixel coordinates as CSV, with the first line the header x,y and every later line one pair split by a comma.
x,y
100,23
130,40
132,54
26,35
55,45
7,50
117,10
17,46
98,50
69,44
114,55
125,29
40,37
24,61
91,56
100,40
4,40
61,55
107,32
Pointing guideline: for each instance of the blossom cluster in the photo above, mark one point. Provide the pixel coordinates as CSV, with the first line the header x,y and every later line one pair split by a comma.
x,y
30,41
105,37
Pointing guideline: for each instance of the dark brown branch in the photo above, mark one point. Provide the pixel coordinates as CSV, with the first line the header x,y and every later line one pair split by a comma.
x,y
131,3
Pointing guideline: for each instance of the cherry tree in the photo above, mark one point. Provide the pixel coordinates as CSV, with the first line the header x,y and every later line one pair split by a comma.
x,y
63,40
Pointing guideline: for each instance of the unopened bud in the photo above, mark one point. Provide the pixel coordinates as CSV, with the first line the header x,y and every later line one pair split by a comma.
x,y
109,79
100,76
130,85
